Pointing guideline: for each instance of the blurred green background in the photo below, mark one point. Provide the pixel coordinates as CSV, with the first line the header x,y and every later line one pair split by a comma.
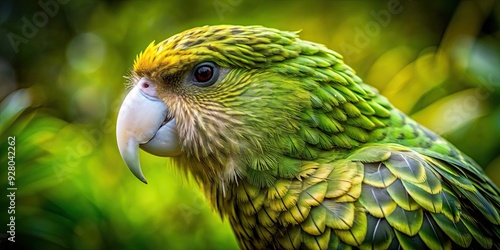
x,y
61,74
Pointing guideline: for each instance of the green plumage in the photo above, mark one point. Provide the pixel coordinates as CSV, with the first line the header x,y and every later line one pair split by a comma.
x,y
321,159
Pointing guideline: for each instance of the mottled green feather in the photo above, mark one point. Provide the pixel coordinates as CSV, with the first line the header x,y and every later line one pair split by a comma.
x,y
455,230
432,235
377,201
315,222
402,198
378,175
379,234
473,227
356,234
451,205
268,217
407,222
339,215
429,201
409,242
314,195
406,167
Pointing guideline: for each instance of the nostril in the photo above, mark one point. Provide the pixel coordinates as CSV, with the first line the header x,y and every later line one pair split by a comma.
x,y
147,87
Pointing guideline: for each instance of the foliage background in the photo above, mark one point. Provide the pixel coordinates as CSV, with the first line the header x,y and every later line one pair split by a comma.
x,y
62,86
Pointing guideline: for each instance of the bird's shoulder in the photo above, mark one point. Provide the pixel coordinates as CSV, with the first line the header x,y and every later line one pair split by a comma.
x,y
380,195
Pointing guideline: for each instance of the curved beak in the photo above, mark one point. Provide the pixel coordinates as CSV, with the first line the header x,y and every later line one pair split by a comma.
x,y
143,121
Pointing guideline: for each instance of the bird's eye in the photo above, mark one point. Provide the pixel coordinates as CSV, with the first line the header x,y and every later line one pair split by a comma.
x,y
205,74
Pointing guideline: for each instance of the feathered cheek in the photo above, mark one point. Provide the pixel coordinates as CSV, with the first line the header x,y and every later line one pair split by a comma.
x,y
144,121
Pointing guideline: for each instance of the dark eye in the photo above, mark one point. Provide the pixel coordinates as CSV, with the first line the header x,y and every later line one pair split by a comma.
x,y
205,74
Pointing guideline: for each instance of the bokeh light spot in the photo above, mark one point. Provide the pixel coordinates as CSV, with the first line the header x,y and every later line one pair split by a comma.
x,y
86,52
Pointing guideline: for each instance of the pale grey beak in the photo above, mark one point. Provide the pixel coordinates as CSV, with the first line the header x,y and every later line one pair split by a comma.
x,y
143,121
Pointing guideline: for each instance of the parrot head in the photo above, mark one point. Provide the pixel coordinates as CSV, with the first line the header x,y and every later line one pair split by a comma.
x,y
222,101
